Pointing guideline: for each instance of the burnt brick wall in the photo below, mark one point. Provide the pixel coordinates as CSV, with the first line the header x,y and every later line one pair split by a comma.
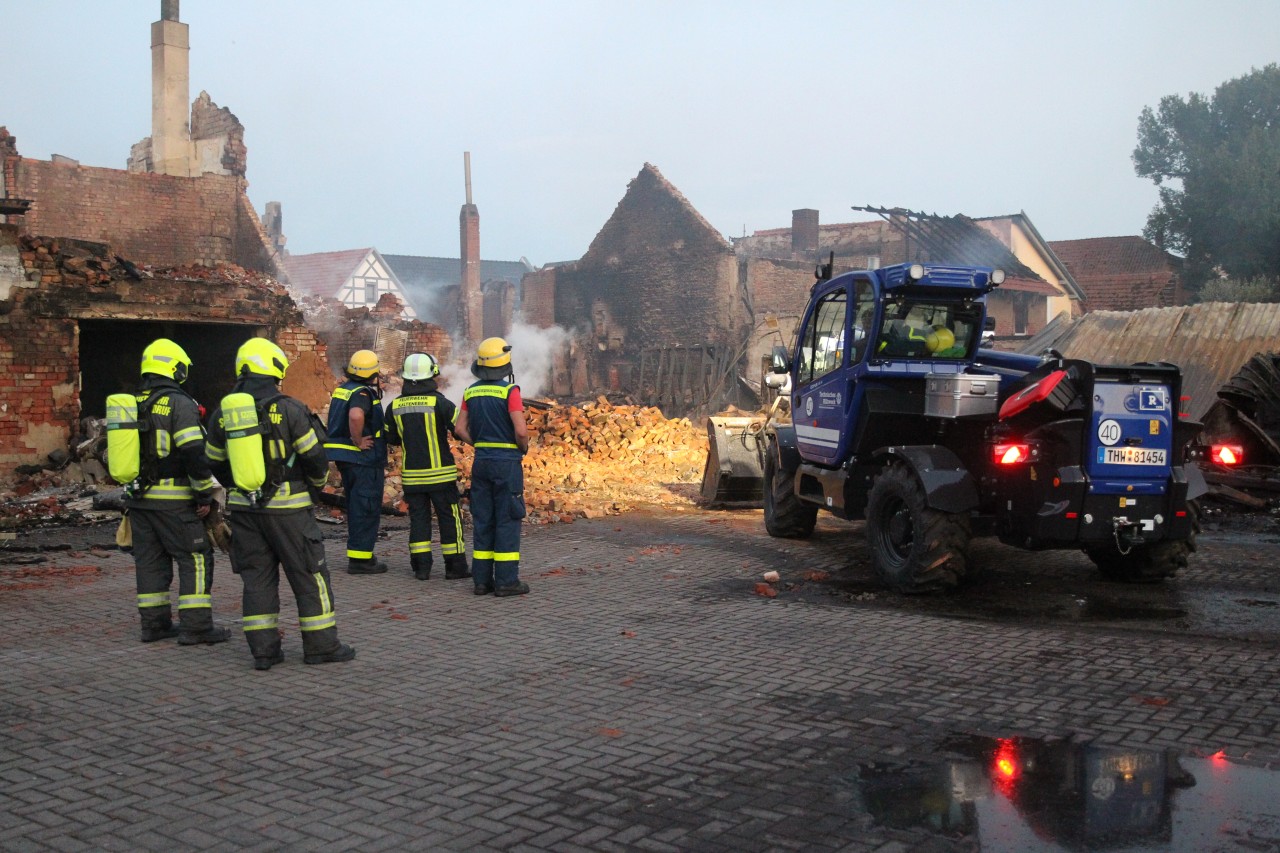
x,y
538,305
63,282
428,338
38,371
664,274
780,287
499,305
151,219
209,121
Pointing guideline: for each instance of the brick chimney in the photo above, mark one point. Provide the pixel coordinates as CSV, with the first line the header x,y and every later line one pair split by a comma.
x,y
804,234
171,152
470,300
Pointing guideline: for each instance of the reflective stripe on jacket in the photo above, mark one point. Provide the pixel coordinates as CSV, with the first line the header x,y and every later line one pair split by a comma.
x,y
489,421
420,423
338,445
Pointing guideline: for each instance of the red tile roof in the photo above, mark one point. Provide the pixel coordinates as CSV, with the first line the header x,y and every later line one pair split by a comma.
x,y
1122,273
322,273
1030,285
1100,256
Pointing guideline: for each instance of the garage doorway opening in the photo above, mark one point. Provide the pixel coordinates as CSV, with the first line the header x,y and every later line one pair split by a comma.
x,y
111,351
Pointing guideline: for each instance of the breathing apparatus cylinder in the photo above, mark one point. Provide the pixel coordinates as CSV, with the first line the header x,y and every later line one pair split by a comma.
x,y
124,439
245,448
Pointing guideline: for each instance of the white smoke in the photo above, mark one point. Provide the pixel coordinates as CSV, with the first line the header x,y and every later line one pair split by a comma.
x,y
532,352
454,379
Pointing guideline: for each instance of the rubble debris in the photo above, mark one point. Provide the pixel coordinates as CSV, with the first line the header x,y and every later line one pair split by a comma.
x,y
1247,412
1234,495
603,459
587,461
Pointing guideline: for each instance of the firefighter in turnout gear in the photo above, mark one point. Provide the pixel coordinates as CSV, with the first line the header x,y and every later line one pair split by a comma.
x,y
272,525
357,445
420,420
172,492
492,420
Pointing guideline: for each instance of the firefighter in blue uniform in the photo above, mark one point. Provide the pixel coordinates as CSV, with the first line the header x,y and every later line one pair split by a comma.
x,y
166,505
275,528
420,420
357,445
492,420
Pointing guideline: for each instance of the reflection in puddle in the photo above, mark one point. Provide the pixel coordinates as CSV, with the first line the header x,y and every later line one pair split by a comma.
x,y
1023,794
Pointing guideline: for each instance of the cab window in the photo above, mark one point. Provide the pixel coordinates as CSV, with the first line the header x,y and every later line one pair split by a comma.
x,y
822,340
916,329
864,309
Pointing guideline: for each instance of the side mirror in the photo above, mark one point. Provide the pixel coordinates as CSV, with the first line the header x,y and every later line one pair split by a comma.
x,y
777,380
989,324
780,360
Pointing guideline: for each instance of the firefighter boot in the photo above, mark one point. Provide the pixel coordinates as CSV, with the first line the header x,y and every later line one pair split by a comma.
x,y
520,588
159,632
421,564
341,653
455,567
209,636
370,566
267,661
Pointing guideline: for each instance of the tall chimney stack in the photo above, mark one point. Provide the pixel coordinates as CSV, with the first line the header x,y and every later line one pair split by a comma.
x,y
171,151
804,234
470,300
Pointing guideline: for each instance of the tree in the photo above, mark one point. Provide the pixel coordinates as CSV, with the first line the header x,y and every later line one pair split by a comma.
x,y
1216,164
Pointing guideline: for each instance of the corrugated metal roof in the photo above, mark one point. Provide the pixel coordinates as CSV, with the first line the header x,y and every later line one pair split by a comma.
x,y
1210,342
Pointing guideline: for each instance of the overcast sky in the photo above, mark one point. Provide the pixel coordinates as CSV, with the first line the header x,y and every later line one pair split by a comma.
x,y
357,114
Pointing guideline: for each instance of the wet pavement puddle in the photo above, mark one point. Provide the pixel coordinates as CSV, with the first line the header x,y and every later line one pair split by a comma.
x,y
1028,795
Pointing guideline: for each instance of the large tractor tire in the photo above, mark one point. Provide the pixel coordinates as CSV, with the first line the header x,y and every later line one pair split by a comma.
x,y
1147,563
785,515
914,549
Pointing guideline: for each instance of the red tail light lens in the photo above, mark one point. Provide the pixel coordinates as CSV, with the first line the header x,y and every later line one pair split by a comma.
x,y
1006,765
1226,454
1011,454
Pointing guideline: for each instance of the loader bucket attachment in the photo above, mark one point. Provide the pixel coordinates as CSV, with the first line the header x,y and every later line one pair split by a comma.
x,y
733,474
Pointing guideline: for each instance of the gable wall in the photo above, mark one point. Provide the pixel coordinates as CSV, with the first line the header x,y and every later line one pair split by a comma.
x,y
352,293
662,274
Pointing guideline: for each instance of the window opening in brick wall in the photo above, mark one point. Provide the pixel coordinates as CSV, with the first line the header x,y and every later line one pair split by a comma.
x,y
111,350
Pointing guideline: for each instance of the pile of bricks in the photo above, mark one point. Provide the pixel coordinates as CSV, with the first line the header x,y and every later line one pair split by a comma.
x,y
600,459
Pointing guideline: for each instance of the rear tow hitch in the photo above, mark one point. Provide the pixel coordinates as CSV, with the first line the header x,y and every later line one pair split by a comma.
x,y
1127,533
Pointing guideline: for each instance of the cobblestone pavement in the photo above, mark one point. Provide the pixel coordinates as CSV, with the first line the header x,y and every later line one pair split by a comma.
x,y
644,696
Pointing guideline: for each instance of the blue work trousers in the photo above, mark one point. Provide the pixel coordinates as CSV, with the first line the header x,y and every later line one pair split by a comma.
x,y
363,487
497,507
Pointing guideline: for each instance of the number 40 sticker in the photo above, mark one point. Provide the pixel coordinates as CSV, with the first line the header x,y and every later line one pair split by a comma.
x,y
1109,432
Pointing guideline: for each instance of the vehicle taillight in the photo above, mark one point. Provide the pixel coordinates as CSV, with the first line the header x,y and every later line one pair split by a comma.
x,y
1006,765
1011,454
1226,454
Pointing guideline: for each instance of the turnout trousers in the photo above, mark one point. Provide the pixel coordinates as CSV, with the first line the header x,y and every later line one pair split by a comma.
x,y
161,538
444,500
262,543
363,487
497,507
